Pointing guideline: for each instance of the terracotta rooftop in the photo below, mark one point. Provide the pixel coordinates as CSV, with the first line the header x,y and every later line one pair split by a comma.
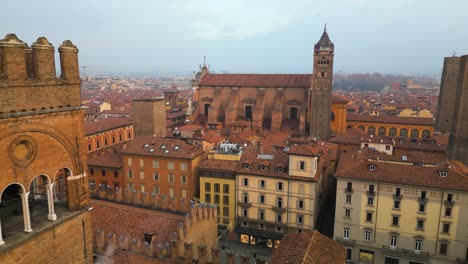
x,y
308,248
220,165
251,156
257,80
159,146
190,127
108,159
356,166
390,119
101,125
339,99
121,219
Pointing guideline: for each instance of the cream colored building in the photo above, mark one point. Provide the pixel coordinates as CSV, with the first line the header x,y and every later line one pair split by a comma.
x,y
277,193
401,213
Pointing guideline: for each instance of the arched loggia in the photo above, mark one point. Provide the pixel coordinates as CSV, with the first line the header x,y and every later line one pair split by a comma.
x,y
14,211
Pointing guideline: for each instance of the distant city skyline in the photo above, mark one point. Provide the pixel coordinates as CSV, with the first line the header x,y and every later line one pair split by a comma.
x,y
404,37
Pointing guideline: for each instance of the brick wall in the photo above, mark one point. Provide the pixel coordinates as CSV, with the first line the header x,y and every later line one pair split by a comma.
x,y
67,242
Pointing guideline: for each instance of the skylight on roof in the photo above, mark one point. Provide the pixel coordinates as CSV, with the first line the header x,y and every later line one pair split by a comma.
x,y
146,145
176,147
151,150
163,146
166,151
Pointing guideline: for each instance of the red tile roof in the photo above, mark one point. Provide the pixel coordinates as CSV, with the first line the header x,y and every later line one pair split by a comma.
x,y
219,165
355,166
101,125
167,147
308,248
390,119
257,80
107,159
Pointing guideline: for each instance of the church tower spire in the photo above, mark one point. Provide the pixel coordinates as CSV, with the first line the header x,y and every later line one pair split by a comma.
x,y
320,91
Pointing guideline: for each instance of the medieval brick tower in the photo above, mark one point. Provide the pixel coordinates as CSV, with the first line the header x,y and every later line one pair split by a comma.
x,y
43,185
320,91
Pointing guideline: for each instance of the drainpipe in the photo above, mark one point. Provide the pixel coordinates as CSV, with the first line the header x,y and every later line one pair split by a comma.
x,y
289,203
376,212
438,224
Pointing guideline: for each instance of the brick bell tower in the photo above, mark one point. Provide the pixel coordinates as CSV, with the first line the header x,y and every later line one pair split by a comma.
x,y
320,91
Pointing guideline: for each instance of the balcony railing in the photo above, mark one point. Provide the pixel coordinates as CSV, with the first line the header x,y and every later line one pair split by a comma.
x,y
348,190
422,200
449,203
344,241
244,205
406,253
397,197
371,193
279,209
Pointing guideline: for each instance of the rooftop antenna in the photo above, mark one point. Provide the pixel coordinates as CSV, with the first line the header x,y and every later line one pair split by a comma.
x,y
325,28
454,53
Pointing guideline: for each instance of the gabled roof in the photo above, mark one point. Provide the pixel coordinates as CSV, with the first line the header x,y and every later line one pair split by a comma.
x,y
257,80
308,248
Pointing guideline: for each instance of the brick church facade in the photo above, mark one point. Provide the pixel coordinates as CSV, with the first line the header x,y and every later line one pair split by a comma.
x,y
270,101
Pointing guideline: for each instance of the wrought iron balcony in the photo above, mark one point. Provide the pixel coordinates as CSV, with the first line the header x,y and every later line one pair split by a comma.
x,y
449,203
397,197
244,205
279,209
346,242
422,200
348,190
371,193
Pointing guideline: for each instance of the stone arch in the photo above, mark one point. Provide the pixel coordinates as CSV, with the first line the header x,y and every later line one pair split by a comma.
x,y
371,130
41,199
13,183
426,133
392,132
61,185
14,210
414,133
361,127
382,131
50,131
403,132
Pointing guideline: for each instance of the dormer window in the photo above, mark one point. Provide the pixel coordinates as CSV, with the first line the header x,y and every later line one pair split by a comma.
x,y
371,167
263,167
246,166
443,173
280,169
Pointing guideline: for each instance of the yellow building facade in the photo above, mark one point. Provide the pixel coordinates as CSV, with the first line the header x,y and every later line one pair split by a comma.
x,y
401,213
277,193
218,183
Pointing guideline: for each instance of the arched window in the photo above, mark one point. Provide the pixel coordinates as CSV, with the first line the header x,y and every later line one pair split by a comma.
x,y
392,132
332,118
371,130
426,133
403,132
361,127
382,131
414,133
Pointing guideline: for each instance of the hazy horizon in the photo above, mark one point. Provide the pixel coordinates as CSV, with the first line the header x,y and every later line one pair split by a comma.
x,y
404,37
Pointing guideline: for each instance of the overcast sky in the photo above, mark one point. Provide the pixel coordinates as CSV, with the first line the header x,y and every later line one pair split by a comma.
x,y
257,36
